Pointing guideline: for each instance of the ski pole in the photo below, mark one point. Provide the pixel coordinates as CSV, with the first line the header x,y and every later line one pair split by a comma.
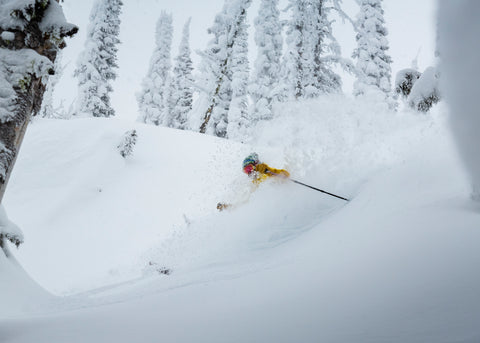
x,y
333,195
317,189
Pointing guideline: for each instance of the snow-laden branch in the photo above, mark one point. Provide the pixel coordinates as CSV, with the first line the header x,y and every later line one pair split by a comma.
x,y
343,15
9,230
346,63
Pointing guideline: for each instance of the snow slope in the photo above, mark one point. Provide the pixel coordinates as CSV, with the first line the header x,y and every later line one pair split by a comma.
x,y
395,264
97,210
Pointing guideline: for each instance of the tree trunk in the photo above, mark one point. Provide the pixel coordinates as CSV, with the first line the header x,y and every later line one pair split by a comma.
x,y
12,133
26,86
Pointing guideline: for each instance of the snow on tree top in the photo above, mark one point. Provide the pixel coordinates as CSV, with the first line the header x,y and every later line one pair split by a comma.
x,y
54,21
400,77
14,14
425,87
8,8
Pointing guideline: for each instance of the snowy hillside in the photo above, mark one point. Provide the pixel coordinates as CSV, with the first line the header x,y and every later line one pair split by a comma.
x,y
137,250
126,244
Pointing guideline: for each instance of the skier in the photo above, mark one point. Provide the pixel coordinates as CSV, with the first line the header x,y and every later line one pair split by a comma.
x,y
258,172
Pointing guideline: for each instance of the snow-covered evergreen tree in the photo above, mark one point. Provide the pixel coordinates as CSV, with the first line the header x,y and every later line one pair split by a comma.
x,y
214,78
404,81
182,92
312,50
266,87
154,99
327,51
127,143
239,118
425,91
47,110
294,64
373,62
217,62
96,65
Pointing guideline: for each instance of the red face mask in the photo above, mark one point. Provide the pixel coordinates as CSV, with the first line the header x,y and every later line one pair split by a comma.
x,y
248,169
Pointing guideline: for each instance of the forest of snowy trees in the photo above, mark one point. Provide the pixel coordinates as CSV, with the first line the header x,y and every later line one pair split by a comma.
x,y
226,94
297,58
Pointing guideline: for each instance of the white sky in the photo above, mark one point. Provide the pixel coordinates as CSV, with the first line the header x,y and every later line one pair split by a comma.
x,y
410,23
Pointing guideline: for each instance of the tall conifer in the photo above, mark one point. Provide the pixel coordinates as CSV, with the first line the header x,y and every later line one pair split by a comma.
x,y
373,62
154,99
266,83
312,50
96,65
182,95
217,73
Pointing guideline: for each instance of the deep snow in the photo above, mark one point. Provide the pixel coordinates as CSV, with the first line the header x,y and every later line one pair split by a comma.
x,y
395,264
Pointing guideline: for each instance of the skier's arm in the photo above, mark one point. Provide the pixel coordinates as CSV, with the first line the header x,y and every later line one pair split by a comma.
x,y
263,168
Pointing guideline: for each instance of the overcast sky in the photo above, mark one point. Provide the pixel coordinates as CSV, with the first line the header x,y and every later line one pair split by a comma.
x,y
411,25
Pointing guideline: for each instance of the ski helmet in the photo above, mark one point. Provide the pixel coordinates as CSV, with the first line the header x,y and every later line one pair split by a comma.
x,y
250,161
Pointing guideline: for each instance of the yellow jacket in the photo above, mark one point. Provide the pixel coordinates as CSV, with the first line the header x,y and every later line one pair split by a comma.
x,y
262,172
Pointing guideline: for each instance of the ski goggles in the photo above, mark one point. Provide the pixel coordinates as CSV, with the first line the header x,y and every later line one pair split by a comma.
x,y
248,169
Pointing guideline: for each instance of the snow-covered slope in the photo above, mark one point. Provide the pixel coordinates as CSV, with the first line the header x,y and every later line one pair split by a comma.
x,y
395,264
19,293
94,211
